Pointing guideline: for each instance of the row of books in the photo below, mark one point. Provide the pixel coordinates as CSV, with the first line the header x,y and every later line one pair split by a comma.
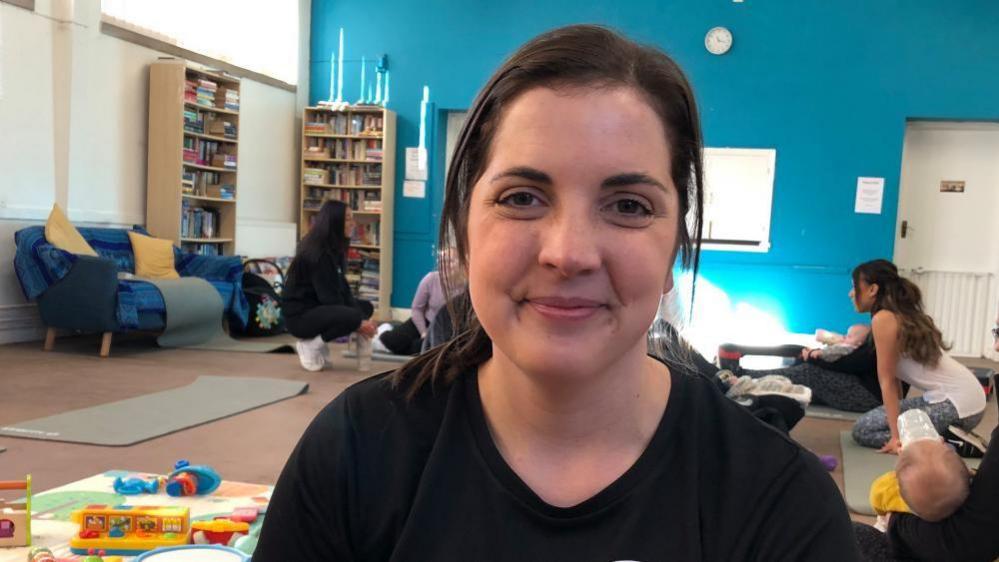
x,y
201,249
348,149
198,222
196,121
346,124
366,234
363,274
227,98
356,199
206,184
208,153
200,92
344,174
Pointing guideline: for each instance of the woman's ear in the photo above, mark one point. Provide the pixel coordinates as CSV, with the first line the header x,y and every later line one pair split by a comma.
x,y
873,289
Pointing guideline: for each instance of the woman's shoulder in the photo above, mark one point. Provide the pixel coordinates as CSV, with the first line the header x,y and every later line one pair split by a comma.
x,y
375,407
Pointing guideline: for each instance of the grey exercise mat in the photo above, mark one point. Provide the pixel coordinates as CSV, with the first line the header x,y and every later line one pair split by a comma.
x,y
134,420
861,466
827,413
379,356
194,317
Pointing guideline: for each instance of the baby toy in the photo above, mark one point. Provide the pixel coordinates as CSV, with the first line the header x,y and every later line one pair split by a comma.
x,y
129,530
135,486
190,480
42,554
15,518
219,531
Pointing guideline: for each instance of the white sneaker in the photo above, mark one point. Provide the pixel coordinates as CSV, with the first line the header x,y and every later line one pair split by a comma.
x,y
324,350
309,355
377,346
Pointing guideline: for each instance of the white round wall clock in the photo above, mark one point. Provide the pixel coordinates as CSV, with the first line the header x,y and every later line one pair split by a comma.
x,y
718,40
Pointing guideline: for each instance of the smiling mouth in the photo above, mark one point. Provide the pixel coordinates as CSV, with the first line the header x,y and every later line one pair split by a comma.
x,y
566,309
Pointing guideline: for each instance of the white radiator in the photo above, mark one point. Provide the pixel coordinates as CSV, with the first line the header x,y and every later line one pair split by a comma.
x,y
963,306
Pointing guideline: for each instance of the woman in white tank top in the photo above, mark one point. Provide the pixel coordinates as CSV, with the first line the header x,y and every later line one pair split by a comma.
x,y
910,348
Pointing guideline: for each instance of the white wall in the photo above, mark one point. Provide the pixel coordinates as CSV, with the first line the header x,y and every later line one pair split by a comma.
x,y
73,121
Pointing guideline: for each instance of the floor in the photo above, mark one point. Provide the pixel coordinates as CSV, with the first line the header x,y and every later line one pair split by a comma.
x,y
250,447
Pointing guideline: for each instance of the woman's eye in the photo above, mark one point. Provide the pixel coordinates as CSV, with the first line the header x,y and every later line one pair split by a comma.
x,y
520,199
631,207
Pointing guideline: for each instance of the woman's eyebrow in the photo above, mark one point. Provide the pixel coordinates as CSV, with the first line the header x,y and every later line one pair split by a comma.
x,y
524,172
634,178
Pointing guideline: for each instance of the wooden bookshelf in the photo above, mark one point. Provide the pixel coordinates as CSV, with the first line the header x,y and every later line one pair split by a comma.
x,y
355,151
193,156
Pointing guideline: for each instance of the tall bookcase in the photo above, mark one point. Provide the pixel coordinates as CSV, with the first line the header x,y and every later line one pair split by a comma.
x,y
193,155
349,155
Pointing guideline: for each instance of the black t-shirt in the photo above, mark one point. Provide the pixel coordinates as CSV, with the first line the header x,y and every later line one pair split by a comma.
x,y
378,478
861,363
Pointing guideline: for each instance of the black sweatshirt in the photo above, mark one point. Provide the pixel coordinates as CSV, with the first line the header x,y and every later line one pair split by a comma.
x,y
969,535
312,284
378,478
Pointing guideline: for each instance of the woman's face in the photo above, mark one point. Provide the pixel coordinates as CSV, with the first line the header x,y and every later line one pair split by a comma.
x,y
572,229
348,222
863,295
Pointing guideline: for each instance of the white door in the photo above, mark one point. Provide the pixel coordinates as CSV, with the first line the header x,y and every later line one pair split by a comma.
x,y
947,233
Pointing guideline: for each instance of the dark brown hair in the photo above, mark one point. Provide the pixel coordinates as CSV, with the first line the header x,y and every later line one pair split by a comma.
x,y
919,338
586,56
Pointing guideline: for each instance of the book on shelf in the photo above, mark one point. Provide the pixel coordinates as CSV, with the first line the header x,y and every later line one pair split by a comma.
x,y
207,153
316,127
198,222
316,175
205,92
222,128
224,160
227,98
201,249
317,151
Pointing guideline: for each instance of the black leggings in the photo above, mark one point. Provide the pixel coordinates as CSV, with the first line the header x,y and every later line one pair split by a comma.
x,y
839,390
404,339
329,321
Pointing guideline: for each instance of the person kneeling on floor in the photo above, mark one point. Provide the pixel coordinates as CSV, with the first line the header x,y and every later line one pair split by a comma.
x,y
318,304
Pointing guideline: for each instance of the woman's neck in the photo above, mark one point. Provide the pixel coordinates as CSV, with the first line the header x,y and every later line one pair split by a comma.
x,y
620,405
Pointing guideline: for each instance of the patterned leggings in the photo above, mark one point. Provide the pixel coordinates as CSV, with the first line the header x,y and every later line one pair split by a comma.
x,y
871,430
839,390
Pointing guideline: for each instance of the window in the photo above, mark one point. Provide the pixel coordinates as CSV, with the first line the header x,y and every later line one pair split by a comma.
x,y
259,36
738,196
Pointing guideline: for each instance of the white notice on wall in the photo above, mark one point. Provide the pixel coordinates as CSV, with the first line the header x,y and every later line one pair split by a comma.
x,y
870,193
414,188
416,163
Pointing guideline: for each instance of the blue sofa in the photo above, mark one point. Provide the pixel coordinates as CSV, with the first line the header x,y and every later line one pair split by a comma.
x,y
85,294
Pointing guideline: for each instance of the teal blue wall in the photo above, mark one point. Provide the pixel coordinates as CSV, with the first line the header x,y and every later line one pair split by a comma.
x,y
830,85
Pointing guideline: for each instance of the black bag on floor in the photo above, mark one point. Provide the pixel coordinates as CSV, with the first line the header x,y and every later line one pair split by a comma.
x,y
265,317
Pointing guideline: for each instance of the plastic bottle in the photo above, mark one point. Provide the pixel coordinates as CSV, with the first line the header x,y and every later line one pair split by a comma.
x,y
364,353
915,425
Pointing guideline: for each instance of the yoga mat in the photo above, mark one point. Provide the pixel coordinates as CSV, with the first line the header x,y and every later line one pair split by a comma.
x,y
194,317
861,466
138,419
379,356
827,413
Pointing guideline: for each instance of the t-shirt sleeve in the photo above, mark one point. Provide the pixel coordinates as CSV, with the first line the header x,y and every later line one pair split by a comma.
x,y
804,517
308,515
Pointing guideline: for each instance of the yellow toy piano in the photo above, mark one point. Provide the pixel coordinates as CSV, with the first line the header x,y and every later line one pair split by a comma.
x,y
129,530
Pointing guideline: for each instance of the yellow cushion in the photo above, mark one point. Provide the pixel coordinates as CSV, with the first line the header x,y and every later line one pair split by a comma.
x,y
153,257
63,235
885,495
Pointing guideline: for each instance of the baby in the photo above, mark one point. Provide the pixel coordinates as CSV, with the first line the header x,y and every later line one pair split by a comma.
x,y
929,480
837,346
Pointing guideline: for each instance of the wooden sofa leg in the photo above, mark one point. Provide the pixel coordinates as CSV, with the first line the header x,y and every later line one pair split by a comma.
x,y
106,344
50,339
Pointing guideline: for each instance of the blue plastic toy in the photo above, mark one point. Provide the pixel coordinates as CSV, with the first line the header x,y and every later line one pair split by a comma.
x,y
191,480
135,486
